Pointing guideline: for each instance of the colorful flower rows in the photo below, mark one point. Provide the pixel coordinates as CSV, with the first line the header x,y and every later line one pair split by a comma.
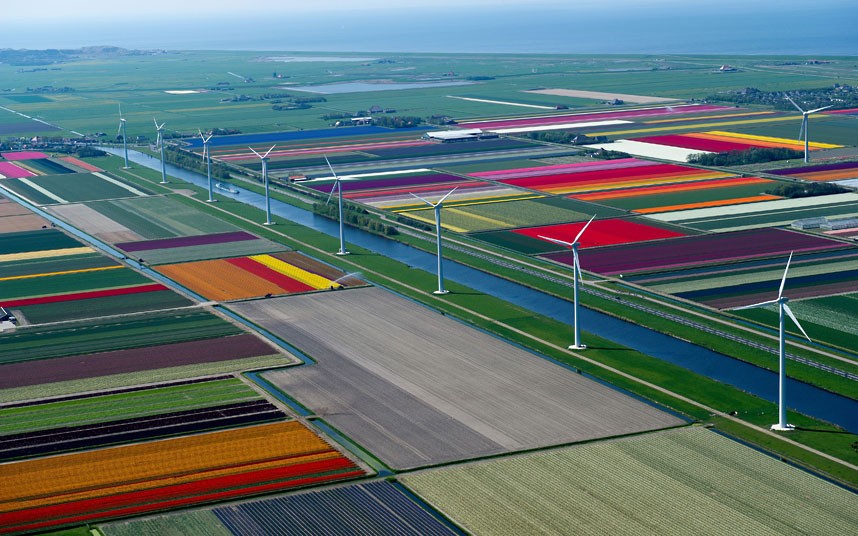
x,y
585,180
601,232
152,476
717,141
81,164
74,296
186,241
45,254
23,155
245,277
697,250
594,116
822,172
315,150
8,170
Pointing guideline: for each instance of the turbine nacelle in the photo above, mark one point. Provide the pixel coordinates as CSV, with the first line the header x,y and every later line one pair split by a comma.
x,y
440,201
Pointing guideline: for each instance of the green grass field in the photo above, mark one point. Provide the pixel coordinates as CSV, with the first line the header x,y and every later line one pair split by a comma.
x,y
686,481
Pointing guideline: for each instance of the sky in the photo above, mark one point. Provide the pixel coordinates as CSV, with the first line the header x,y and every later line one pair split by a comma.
x,y
110,9
148,9
823,27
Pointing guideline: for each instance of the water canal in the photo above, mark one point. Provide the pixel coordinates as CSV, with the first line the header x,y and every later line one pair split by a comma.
x,y
802,397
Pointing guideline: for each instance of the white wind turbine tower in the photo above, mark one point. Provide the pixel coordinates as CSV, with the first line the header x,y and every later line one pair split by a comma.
x,y
160,143
207,156
576,277
804,117
338,187
781,300
124,137
264,159
437,207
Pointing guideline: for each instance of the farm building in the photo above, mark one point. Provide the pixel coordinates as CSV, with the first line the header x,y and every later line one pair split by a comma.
x,y
840,224
449,136
809,223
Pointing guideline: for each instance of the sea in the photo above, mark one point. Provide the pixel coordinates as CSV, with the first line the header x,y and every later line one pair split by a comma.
x,y
729,27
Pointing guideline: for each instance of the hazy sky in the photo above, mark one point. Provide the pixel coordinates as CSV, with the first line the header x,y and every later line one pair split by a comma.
x,y
66,9
539,26
108,9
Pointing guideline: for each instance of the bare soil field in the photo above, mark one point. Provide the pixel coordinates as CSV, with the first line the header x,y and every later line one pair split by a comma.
x,y
24,222
95,223
11,208
417,388
600,95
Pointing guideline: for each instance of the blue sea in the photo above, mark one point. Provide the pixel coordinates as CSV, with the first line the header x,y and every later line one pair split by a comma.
x,y
825,27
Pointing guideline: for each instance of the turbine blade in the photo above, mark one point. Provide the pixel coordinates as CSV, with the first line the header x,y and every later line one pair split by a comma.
x,y
801,128
794,104
761,304
334,173
795,321
446,196
420,198
584,228
269,150
118,132
783,280
201,135
820,109
156,123
330,195
254,152
556,241
578,266
120,110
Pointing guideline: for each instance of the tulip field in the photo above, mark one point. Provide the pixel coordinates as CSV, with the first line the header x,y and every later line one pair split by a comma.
x,y
248,277
684,196
171,365
157,475
721,141
643,112
129,415
614,174
371,508
68,280
821,172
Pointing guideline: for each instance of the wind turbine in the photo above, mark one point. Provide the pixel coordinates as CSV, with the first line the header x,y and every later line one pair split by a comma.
x,y
124,137
207,156
160,143
437,207
781,300
804,117
264,159
338,187
576,276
